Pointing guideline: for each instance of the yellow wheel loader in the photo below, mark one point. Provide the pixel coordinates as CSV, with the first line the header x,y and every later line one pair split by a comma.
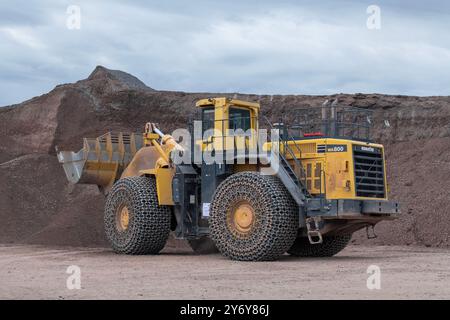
x,y
237,183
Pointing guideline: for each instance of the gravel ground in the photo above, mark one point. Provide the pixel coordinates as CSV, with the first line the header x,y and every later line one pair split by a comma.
x,y
37,272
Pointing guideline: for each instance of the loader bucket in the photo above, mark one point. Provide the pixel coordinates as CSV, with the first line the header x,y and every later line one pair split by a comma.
x,y
102,159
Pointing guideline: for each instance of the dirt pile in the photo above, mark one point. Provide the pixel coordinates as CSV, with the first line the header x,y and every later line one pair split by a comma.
x,y
37,205
419,176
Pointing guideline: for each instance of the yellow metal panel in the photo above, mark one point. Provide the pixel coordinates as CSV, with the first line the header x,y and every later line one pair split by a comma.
x,y
338,167
242,103
308,147
100,173
164,178
222,101
147,172
314,175
339,182
143,160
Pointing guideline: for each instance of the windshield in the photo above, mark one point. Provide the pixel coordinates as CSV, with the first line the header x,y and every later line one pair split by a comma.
x,y
239,119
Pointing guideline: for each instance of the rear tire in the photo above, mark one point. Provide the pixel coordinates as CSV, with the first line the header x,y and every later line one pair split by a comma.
x,y
135,223
329,247
253,217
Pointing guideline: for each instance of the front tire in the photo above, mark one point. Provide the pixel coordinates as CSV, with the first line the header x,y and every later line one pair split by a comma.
x,y
253,217
330,246
135,223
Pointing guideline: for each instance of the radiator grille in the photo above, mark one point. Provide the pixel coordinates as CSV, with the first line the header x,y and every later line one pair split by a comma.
x,y
369,172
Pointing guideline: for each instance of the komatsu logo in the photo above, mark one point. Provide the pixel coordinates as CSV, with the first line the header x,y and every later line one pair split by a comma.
x,y
369,149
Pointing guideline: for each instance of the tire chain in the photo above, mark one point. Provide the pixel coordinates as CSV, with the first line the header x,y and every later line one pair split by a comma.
x,y
149,223
329,247
276,222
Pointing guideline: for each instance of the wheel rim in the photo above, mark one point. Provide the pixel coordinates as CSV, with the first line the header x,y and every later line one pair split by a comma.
x,y
241,218
122,218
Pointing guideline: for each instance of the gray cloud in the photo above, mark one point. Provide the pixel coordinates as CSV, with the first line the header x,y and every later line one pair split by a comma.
x,y
275,47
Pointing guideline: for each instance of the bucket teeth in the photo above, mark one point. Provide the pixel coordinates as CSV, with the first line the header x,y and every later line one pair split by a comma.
x,y
100,158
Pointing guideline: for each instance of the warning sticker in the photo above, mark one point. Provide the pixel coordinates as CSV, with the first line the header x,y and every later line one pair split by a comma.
x,y
205,211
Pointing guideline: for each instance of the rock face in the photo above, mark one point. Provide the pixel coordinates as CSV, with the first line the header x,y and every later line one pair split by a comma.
x,y
37,205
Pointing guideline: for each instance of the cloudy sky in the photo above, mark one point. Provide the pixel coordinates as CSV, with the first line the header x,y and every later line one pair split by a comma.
x,y
273,47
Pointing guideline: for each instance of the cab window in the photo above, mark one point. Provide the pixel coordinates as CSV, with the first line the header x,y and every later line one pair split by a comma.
x,y
239,119
207,119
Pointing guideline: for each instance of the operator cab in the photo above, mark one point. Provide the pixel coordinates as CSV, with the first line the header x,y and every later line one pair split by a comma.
x,y
228,124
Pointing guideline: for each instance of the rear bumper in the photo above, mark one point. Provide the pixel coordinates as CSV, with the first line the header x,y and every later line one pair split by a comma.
x,y
380,207
345,216
350,208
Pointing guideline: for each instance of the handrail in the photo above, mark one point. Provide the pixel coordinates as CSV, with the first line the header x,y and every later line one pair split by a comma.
x,y
348,122
296,161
